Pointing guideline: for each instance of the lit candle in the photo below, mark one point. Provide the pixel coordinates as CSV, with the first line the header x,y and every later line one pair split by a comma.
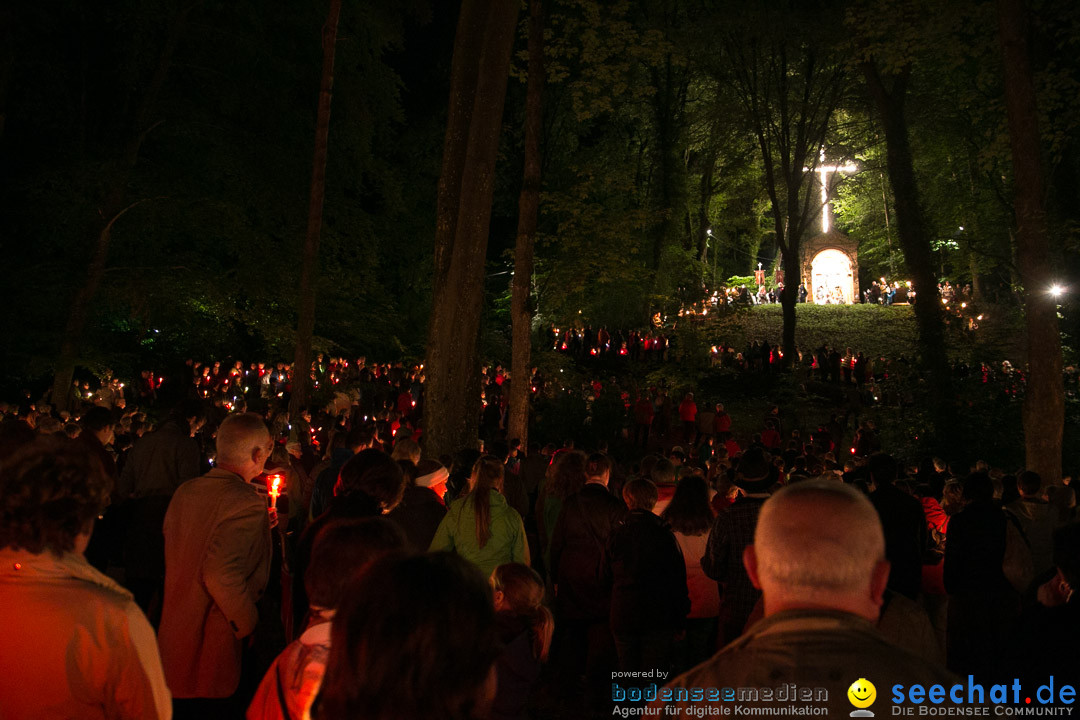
x,y
275,489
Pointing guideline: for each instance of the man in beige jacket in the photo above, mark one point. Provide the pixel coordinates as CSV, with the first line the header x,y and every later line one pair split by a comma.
x,y
217,562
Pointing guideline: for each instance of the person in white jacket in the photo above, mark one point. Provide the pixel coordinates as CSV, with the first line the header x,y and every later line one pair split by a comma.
x,y
75,643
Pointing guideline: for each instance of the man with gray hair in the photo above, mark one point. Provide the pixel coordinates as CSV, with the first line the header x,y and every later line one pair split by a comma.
x,y
217,563
819,560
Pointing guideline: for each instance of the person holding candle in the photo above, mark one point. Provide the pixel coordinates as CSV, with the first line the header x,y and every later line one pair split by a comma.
x,y
217,563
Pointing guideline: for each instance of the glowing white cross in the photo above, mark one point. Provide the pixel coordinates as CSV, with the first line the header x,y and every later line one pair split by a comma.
x,y
822,169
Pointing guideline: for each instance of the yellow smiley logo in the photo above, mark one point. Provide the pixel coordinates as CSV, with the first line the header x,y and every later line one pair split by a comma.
x,y
862,693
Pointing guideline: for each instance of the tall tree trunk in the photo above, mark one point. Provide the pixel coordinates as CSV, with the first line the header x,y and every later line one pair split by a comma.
x,y
528,208
787,234
464,68
664,148
479,73
113,207
911,226
977,292
706,189
788,299
1044,400
789,103
888,226
7,58
305,325
669,104
790,244
688,230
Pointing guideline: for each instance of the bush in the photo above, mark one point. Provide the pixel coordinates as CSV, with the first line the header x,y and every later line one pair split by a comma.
x,y
737,280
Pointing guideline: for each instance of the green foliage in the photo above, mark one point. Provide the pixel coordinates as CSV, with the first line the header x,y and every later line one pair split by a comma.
x,y
958,128
646,146
210,255
751,284
594,210
635,131
598,50
740,280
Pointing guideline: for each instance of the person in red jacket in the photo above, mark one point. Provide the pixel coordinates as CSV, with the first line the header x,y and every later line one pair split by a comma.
x,y
688,416
643,417
722,422
730,445
770,437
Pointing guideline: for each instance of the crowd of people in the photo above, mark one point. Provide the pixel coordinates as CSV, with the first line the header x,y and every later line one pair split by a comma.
x,y
878,292
636,345
223,562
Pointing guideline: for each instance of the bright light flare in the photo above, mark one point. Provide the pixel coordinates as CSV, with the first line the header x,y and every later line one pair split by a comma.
x,y
275,489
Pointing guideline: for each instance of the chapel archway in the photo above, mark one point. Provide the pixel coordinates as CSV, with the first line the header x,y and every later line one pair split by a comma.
x,y
832,278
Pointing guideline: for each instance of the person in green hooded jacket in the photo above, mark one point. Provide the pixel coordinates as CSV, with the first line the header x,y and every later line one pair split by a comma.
x,y
481,526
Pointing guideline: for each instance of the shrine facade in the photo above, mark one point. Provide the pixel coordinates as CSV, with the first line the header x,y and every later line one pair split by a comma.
x,y
829,267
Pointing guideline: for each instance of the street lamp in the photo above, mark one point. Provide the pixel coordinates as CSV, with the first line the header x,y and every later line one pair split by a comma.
x,y
709,236
1057,290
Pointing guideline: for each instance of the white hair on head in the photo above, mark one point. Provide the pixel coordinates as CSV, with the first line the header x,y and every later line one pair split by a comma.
x,y
238,435
818,536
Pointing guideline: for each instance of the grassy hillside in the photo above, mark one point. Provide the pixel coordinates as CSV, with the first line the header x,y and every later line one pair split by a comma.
x,y
872,329
988,420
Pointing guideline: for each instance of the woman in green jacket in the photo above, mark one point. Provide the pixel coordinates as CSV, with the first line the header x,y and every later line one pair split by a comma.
x,y
481,526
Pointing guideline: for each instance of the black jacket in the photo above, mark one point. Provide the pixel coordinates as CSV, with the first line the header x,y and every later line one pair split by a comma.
x,y
581,534
159,463
518,668
419,515
906,537
515,494
647,575
975,551
356,505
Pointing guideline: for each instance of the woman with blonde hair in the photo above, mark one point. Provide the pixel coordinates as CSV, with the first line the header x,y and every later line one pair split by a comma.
x,y
481,526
